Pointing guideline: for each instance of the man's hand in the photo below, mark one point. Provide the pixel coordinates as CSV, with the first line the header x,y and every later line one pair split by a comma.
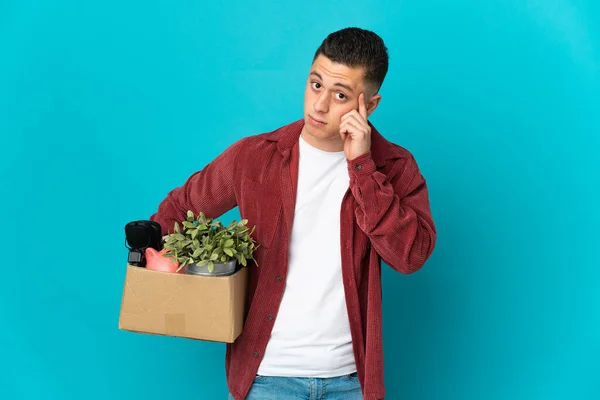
x,y
355,131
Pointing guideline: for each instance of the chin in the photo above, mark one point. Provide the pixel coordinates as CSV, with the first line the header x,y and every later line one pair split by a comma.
x,y
316,132
314,129
324,135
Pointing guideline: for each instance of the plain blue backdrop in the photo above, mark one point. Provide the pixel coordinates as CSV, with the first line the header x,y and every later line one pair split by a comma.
x,y
106,106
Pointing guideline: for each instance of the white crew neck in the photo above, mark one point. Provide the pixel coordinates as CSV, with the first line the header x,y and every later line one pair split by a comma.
x,y
310,148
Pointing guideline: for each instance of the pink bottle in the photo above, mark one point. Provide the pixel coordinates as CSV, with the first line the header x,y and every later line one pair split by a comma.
x,y
157,261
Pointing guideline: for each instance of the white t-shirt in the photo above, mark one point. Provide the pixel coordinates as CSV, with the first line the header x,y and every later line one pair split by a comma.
x,y
311,335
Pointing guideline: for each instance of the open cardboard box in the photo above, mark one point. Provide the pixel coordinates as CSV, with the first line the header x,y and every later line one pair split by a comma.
x,y
208,308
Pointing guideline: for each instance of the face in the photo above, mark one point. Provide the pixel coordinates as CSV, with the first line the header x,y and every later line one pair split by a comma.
x,y
332,90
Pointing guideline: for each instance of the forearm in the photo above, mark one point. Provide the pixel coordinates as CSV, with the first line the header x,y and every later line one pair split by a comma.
x,y
395,216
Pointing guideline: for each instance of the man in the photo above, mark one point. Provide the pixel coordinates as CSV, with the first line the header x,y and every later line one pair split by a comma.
x,y
330,198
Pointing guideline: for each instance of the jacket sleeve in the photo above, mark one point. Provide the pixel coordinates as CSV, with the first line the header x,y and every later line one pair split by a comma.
x,y
395,212
210,191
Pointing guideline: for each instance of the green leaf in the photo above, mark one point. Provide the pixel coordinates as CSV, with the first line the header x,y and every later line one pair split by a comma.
x,y
179,236
205,240
211,266
202,263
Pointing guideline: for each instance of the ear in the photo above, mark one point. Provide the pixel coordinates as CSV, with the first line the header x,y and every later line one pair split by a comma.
x,y
373,103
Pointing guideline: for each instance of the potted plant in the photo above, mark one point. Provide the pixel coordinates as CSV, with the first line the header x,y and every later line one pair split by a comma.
x,y
204,246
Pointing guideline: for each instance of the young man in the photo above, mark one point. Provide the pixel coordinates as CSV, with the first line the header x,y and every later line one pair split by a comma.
x,y
330,198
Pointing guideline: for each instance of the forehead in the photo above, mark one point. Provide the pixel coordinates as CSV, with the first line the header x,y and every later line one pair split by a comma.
x,y
333,72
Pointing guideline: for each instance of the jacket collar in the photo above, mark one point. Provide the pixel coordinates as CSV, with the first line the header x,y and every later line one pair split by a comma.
x,y
286,136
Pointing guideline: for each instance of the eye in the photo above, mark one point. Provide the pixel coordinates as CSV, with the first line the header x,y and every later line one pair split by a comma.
x,y
340,96
316,85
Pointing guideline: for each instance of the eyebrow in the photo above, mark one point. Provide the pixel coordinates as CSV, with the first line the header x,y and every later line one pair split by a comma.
x,y
335,84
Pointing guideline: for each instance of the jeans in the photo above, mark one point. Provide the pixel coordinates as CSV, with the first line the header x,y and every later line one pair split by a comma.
x,y
344,387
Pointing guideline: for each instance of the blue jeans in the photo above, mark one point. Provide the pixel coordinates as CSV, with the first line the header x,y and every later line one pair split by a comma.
x,y
344,387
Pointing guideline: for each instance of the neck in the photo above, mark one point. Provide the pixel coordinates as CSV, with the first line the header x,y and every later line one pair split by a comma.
x,y
333,144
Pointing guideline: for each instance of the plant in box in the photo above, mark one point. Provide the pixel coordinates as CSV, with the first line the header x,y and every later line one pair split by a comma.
x,y
204,246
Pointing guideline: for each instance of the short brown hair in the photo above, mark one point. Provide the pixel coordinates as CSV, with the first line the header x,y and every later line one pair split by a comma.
x,y
355,47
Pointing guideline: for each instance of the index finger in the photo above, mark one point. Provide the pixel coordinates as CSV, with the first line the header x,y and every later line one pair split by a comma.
x,y
362,106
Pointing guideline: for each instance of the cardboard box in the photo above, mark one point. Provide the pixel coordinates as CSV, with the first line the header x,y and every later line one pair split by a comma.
x,y
191,306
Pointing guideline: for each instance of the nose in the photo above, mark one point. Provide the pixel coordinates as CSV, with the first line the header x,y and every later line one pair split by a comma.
x,y
321,104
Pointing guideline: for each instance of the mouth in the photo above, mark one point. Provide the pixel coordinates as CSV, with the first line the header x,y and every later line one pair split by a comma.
x,y
315,121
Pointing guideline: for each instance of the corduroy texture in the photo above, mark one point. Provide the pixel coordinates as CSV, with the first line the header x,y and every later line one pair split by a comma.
x,y
384,215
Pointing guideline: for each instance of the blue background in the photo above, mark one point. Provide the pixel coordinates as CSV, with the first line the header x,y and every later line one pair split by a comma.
x,y
499,101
